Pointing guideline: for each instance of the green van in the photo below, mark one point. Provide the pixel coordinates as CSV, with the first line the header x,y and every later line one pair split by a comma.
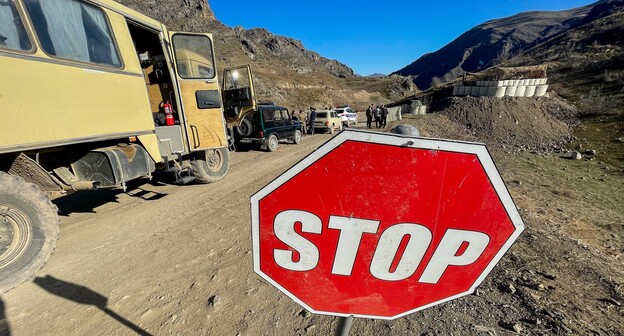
x,y
267,125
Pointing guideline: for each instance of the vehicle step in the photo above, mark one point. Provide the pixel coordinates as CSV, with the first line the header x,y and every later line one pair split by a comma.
x,y
185,179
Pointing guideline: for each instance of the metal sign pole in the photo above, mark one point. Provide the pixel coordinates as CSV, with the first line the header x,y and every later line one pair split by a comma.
x,y
344,325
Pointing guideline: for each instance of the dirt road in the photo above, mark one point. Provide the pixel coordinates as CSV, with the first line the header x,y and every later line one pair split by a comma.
x,y
170,260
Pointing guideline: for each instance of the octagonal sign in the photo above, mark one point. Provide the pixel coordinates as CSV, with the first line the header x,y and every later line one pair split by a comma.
x,y
380,225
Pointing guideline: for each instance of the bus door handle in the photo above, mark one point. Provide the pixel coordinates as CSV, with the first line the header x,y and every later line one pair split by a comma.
x,y
196,140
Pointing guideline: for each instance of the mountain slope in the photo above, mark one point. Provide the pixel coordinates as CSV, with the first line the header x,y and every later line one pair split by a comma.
x,y
586,65
285,71
590,54
490,43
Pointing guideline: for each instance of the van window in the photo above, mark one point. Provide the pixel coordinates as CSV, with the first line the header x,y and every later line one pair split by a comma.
x,y
12,32
267,114
285,115
74,30
194,56
277,115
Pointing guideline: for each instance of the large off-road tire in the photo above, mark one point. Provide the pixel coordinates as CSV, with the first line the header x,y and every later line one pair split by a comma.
x,y
211,165
272,143
297,137
244,128
29,229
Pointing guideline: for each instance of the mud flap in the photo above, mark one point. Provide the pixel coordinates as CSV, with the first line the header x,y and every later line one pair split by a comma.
x,y
113,166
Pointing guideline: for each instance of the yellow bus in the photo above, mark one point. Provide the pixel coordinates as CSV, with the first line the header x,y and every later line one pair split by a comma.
x,y
93,95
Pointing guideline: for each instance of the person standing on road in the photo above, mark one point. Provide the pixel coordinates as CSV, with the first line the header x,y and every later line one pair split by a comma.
x,y
312,119
377,115
303,117
369,116
384,115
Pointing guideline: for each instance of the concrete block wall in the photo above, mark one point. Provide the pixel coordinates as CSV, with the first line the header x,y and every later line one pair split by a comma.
x,y
416,107
394,113
534,87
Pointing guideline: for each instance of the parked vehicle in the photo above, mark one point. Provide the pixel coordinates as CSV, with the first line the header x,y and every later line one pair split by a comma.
x,y
347,114
267,126
344,119
96,95
327,120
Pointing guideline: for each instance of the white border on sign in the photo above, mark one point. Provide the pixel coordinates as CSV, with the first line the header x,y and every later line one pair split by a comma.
x,y
393,140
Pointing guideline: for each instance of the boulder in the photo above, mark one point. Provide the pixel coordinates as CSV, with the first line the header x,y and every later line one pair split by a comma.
x,y
406,129
574,155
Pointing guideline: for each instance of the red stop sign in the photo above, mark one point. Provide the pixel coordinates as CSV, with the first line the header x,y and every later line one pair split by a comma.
x,y
380,225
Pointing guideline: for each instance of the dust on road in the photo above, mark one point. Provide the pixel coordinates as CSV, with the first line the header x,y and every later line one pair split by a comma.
x,y
168,259
176,260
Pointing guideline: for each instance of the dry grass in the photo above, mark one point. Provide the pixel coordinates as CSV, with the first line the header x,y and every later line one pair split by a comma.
x,y
581,197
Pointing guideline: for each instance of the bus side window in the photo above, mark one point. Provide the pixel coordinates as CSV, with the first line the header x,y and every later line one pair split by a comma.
x,y
12,32
73,30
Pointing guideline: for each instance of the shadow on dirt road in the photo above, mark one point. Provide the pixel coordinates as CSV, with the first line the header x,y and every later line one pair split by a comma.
x,y
87,201
85,296
5,330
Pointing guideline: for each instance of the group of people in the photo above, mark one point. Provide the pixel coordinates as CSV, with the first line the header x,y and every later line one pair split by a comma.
x,y
307,119
379,113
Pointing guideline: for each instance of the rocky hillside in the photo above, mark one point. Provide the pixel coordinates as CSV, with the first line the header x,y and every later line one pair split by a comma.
x,y
285,71
586,65
588,56
497,41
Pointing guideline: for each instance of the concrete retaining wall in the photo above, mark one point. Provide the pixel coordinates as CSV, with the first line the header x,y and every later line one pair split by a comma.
x,y
534,87
394,113
416,107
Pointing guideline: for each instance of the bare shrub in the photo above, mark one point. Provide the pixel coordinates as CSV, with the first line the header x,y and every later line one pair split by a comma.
x,y
503,55
613,76
594,102
435,81
561,90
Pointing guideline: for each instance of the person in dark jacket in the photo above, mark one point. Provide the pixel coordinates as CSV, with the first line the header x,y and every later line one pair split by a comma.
x,y
384,115
312,119
369,116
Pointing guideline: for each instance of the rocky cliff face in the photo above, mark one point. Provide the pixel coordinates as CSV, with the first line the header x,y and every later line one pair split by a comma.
x,y
494,42
261,44
172,11
586,58
285,71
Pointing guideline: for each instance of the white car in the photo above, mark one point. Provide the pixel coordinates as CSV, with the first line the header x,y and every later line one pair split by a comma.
x,y
347,115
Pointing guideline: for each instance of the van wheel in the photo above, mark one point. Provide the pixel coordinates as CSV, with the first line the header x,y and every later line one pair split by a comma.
x,y
244,128
297,137
331,129
272,143
211,165
29,229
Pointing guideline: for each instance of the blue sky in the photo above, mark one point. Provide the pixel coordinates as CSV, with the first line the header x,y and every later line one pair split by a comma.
x,y
374,36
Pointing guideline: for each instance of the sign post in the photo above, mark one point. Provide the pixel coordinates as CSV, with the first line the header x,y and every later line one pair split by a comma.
x,y
344,326
379,225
